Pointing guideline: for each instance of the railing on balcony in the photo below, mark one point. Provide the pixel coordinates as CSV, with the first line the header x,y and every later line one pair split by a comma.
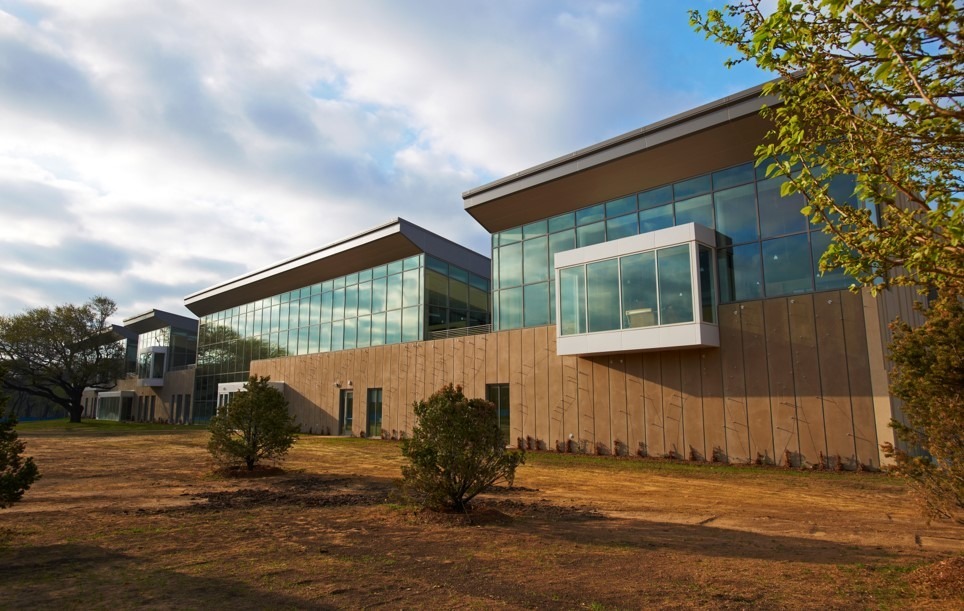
x,y
460,332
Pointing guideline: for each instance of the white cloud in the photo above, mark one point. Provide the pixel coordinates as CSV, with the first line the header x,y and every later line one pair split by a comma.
x,y
187,141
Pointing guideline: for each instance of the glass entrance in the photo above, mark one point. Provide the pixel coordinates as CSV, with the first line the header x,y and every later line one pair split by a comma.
x,y
345,411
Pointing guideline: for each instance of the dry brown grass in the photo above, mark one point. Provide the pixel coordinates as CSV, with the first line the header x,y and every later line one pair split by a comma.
x,y
140,519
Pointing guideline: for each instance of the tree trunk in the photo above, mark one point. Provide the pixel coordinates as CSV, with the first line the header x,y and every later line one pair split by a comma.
x,y
75,410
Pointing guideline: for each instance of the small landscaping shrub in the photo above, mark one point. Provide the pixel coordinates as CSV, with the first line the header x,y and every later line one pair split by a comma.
x,y
456,451
255,426
16,473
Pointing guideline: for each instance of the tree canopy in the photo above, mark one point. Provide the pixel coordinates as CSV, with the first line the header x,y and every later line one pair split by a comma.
x,y
872,89
56,353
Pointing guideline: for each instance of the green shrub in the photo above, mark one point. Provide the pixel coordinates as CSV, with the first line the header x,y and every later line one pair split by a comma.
x,y
255,426
16,473
456,451
929,377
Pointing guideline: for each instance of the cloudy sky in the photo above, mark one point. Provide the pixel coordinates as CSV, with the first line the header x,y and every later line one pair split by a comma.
x,y
151,149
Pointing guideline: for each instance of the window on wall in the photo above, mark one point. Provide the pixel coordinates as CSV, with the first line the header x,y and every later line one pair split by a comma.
x,y
374,413
498,394
739,202
638,290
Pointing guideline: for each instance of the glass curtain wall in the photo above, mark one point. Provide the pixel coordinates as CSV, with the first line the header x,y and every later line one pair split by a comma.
x,y
382,305
766,247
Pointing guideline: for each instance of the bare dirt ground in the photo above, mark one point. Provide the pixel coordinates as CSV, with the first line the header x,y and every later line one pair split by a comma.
x,y
140,519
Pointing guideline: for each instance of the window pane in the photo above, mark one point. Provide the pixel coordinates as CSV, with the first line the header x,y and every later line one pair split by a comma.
x,y
394,292
314,313
563,221
410,324
675,285
696,210
621,227
510,266
378,329
537,304
326,307
736,215
351,279
656,218
337,335
707,291
731,177
437,318
510,236
324,338
588,235
338,304
786,265
739,271
691,187
639,289
602,287
510,308
478,300
351,301
779,215
458,294
655,197
619,207
364,298
364,333
282,318
572,296
535,254
590,214
410,288
393,327
437,289
552,302
533,229
826,281
351,327
395,267
380,271
379,296
559,242
412,262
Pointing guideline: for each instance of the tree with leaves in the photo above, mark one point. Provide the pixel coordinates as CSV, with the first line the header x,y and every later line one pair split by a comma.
x,y
16,472
56,353
872,89
254,426
456,451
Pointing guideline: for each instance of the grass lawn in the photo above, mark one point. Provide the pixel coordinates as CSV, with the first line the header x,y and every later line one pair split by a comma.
x,y
133,515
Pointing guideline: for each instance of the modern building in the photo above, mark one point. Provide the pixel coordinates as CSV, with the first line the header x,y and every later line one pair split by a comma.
x,y
393,285
650,295
161,354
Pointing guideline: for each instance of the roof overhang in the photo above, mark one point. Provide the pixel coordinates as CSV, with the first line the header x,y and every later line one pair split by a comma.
x,y
158,319
385,243
721,133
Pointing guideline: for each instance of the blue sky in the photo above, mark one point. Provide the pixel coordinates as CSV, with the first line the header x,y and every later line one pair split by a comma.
x,y
151,149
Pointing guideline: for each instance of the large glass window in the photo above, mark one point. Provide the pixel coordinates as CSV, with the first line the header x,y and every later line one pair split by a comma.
x,y
572,300
640,304
739,202
602,287
784,270
675,285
